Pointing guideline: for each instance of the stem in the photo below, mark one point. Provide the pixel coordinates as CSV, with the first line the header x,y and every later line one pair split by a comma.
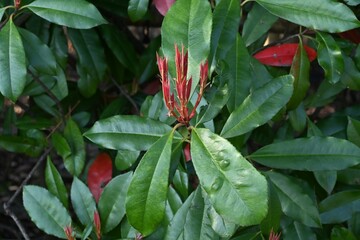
x,y
244,2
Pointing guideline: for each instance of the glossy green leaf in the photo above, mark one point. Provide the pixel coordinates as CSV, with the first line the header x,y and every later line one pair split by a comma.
x,y
352,2
325,15
128,132
181,182
112,202
340,233
326,179
298,231
46,211
83,202
329,57
353,131
300,69
146,198
350,176
125,159
75,14
298,118
295,202
226,20
259,107
339,207
2,11
354,224
12,62
137,9
351,75
236,190
191,221
325,93
221,226
91,59
257,23
55,183
121,47
216,101
181,27
273,217
309,154
237,74
20,144
38,54
75,162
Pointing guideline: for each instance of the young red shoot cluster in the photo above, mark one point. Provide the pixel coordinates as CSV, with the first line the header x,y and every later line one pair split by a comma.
x,y
178,107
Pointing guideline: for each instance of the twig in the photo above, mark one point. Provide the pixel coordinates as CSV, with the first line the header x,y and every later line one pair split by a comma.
x,y
17,192
127,96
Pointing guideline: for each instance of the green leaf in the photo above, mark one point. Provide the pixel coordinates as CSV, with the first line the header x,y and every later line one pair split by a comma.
x,y
2,11
353,131
75,162
297,118
237,74
191,220
20,144
273,217
125,159
259,107
236,190
340,233
121,47
326,179
221,226
75,14
325,94
112,202
146,198
55,184
339,207
295,202
137,9
91,59
216,101
46,211
12,62
298,231
325,15
300,69
351,75
83,202
309,154
38,54
181,27
257,23
329,57
226,20
128,132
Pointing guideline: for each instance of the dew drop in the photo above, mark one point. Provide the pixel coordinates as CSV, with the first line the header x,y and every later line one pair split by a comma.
x,y
217,184
224,163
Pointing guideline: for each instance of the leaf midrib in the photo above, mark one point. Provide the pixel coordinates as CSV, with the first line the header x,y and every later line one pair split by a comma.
x,y
52,10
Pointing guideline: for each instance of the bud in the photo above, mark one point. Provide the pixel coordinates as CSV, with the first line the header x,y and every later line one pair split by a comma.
x,y
69,233
97,224
274,236
17,4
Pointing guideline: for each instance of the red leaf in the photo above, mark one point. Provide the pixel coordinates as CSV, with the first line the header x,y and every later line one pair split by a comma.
x,y
163,5
187,153
282,55
99,174
353,35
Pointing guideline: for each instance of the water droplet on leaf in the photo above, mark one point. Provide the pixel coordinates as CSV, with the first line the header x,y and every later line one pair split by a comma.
x,y
224,163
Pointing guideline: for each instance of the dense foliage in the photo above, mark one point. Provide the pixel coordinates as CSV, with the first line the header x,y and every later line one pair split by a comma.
x,y
199,131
